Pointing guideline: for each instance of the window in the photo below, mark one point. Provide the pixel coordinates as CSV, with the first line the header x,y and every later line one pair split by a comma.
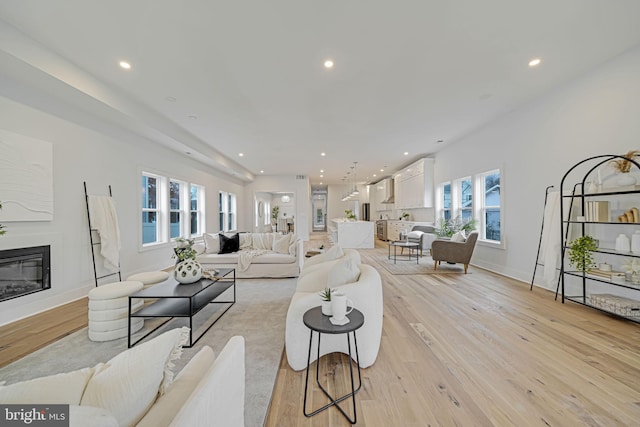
x,y
196,210
151,231
490,222
170,209
227,211
175,209
478,197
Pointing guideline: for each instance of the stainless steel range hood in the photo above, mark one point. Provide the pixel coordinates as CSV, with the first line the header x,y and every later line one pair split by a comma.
x,y
388,187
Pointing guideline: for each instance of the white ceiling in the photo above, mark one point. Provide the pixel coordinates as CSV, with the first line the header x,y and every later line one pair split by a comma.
x,y
408,72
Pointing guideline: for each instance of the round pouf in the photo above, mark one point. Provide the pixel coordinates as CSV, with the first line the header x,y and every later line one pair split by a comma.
x,y
109,310
149,278
188,271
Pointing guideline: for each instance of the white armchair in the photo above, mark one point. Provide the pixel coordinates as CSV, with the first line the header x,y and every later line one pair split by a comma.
x,y
424,235
366,295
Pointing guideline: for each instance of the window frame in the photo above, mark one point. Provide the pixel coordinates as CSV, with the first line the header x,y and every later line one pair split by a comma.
x,y
164,209
199,211
478,204
227,212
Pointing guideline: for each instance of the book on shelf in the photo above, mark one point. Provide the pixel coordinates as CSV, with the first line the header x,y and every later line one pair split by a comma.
x,y
597,211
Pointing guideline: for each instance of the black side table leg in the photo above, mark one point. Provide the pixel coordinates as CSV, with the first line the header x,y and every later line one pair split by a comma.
x,y
306,382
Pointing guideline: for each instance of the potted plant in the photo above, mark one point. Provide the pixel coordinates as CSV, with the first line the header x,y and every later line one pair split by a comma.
x,y
349,214
405,216
447,228
184,249
326,301
275,211
580,253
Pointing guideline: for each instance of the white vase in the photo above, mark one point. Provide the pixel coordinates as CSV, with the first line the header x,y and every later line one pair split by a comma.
x,y
326,308
622,243
635,242
188,271
624,179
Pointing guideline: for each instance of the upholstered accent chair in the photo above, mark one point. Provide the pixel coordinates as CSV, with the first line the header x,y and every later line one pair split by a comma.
x,y
454,252
424,235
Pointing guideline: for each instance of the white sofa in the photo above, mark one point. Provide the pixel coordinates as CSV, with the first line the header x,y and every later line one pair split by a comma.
x,y
366,294
135,389
266,255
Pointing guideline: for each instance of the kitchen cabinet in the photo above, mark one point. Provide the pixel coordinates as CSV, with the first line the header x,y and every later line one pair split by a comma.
x,y
394,228
414,185
382,193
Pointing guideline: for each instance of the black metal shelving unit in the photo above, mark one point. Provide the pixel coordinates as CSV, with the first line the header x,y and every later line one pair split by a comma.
x,y
580,196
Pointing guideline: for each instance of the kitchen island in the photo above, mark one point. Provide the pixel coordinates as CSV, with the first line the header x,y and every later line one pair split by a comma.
x,y
352,234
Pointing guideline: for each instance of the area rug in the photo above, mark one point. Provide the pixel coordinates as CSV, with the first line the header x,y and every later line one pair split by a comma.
x,y
259,316
405,266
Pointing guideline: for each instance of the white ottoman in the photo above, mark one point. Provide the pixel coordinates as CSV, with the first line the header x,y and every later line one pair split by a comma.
x,y
109,310
149,278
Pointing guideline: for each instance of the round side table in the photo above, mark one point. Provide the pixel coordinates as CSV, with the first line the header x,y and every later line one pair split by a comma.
x,y
319,323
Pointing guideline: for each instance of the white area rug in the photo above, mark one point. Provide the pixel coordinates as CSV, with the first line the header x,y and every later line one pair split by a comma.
x,y
258,315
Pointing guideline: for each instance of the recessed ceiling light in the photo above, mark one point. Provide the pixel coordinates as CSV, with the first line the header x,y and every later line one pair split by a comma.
x,y
170,98
323,154
440,141
188,153
374,175
193,117
125,65
406,153
321,170
261,171
241,154
320,182
328,63
321,176
535,62
381,170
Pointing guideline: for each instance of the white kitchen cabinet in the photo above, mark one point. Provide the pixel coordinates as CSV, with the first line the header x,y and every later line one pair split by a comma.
x,y
414,185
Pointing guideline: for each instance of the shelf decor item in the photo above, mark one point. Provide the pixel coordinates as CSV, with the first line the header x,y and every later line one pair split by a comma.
x,y
623,167
581,253
326,301
622,243
188,271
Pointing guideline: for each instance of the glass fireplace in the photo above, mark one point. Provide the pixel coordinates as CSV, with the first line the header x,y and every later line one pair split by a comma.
x,y
24,271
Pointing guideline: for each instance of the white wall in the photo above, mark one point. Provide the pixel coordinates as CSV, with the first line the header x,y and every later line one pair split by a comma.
x,y
81,154
535,145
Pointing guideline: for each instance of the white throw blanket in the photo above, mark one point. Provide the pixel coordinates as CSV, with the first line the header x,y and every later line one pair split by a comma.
x,y
245,257
102,212
551,243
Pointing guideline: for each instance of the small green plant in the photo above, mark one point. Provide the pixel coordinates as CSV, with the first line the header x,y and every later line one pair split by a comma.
x,y
405,215
184,250
349,214
326,294
580,253
447,228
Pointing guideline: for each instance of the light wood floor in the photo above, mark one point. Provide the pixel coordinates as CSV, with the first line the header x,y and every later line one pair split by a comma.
x,y
457,350
480,350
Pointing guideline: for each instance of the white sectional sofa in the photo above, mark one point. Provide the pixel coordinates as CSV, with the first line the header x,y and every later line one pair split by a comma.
x,y
342,271
136,387
259,255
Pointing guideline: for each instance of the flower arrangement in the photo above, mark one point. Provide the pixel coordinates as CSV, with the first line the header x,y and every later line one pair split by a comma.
x,y
184,250
624,165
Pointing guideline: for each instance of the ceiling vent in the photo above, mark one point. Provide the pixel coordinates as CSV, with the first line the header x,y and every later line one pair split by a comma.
x,y
301,177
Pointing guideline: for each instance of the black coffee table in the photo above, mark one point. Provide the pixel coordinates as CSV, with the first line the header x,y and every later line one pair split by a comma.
x,y
319,323
178,300
402,244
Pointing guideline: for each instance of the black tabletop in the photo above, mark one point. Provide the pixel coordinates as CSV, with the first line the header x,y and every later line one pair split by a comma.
x,y
316,321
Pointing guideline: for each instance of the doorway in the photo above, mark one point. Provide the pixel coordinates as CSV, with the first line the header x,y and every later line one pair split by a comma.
x,y
319,209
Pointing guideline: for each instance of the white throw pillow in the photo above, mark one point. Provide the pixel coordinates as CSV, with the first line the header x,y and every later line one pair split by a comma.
x,y
129,383
415,234
334,252
262,240
281,243
245,241
64,388
293,244
343,272
458,237
211,243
